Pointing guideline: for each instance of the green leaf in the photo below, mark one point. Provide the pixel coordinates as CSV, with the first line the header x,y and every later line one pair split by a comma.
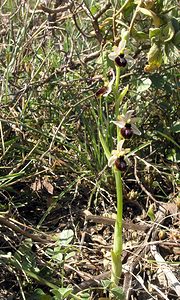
x,y
123,93
176,127
62,292
41,280
11,176
116,267
173,155
150,212
95,8
120,99
118,293
139,35
151,14
176,39
106,283
138,149
104,145
125,106
171,52
168,32
85,296
143,84
154,32
154,56
40,295
58,257
66,237
70,254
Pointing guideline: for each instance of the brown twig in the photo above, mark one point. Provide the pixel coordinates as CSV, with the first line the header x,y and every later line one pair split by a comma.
x,y
91,56
141,185
94,281
110,221
132,263
98,33
80,30
102,10
95,23
55,10
10,224
172,280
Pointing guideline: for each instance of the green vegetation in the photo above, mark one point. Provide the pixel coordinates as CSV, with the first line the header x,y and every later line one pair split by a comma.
x,y
58,102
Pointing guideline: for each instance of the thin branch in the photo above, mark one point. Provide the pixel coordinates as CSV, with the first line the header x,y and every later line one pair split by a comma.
x,y
9,223
134,16
122,7
175,284
55,10
80,30
102,11
111,221
141,185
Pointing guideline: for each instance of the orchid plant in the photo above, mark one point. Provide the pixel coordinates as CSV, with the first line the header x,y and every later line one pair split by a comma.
x,y
117,159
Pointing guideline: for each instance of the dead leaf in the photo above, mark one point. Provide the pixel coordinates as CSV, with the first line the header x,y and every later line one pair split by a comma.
x,y
36,185
48,186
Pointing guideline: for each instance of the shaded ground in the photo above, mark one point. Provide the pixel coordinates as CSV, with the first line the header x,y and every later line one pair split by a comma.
x,y
89,251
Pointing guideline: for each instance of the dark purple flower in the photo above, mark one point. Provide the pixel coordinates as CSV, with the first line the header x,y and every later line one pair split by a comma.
x,y
120,163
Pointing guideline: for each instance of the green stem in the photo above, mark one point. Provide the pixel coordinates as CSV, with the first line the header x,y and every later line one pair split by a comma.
x,y
117,246
119,196
100,112
117,84
116,97
116,252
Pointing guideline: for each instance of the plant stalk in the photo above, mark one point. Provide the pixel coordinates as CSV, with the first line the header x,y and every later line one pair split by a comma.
x,y
117,83
116,97
117,246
